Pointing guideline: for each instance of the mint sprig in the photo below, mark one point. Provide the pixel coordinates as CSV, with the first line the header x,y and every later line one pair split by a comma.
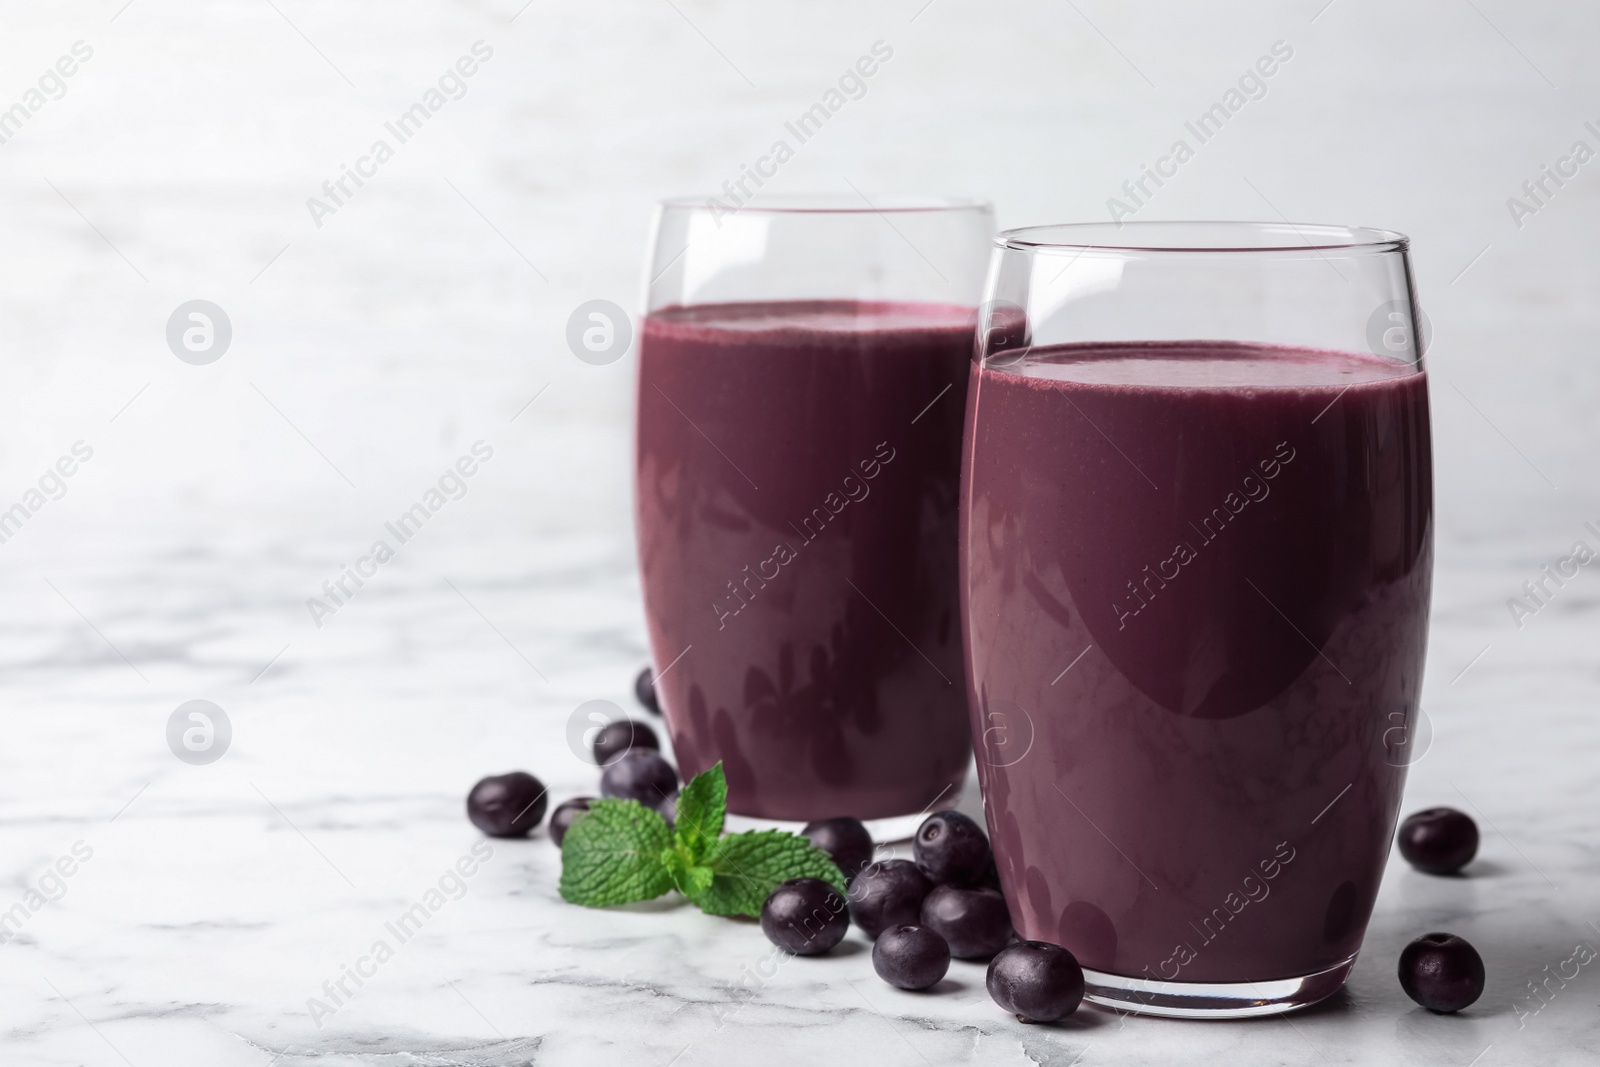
x,y
747,867
622,852
612,855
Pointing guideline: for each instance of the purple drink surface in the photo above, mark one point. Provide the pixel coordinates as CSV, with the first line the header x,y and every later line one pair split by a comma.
x,y
798,471
1195,584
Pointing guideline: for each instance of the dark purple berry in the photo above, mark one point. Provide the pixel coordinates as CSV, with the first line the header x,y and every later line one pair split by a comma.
x,y
1441,972
617,739
951,849
974,922
807,916
845,839
640,775
1036,981
1439,840
887,894
566,813
644,689
507,805
668,809
911,957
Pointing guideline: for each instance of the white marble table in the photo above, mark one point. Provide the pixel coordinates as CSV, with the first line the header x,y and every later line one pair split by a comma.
x,y
370,353
219,899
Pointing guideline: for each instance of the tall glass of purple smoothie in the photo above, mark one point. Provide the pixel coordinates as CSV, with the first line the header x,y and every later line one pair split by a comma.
x,y
1196,539
802,380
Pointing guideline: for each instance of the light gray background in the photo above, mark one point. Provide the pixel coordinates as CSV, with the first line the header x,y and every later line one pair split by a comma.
x,y
369,353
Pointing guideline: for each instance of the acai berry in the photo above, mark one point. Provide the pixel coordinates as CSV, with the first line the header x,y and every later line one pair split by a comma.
x,y
507,805
640,775
567,812
887,894
951,849
910,957
1438,840
845,839
1036,981
644,689
1442,972
807,916
616,739
974,922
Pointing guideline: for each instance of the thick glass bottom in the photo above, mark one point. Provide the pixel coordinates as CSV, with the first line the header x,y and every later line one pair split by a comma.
x,y
1213,1000
884,831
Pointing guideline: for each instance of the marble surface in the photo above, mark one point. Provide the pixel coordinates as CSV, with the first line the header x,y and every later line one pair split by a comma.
x,y
428,312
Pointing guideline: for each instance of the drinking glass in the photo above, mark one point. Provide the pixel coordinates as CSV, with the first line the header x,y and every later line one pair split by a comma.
x,y
1196,564
802,379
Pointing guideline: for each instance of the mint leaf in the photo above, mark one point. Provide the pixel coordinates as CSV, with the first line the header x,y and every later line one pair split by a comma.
x,y
612,855
747,867
622,851
689,878
701,806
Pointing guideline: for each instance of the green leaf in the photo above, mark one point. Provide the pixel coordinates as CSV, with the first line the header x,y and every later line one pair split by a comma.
x,y
747,867
701,806
689,878
612,855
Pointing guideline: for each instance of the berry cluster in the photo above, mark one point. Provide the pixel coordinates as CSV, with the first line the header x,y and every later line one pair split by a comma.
x,y
942,904
945,902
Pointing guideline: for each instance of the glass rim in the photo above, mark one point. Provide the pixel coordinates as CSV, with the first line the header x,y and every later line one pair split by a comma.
x,y
1189,236
832,204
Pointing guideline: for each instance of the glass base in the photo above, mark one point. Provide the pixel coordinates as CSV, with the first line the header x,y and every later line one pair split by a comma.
x,y
884,831
1212,1000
